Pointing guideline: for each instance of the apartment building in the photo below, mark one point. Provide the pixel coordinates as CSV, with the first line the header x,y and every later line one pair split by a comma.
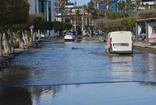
x,y
48,7
43,6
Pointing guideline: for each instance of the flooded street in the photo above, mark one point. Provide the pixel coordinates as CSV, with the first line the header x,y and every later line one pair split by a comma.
x,y
82,73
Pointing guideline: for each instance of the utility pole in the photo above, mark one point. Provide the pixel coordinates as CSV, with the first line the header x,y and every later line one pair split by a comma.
x,y
75,18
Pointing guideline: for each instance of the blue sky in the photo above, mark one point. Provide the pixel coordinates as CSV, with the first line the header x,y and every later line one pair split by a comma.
x,y
80,2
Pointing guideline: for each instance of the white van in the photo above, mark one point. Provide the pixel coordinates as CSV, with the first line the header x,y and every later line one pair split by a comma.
x,y
119,42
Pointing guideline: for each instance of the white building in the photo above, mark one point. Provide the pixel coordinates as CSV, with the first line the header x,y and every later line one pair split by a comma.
x,y
56,8
48,7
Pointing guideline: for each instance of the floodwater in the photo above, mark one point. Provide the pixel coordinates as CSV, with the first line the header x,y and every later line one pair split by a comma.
x,y
78,74
86,94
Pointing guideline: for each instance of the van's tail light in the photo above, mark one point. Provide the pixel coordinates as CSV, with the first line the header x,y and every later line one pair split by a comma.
x,y
110,41
132,41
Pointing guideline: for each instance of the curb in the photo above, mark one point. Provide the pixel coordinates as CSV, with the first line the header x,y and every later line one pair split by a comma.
x,y
4,60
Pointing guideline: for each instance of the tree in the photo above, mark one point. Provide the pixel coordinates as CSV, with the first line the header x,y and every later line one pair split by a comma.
x,y
138,4
38,21
100,12
91,12
16,12
67,26
62,2
119,6
123,6
99,1
48,25
84,13
128,4
107,2
107,25
60,26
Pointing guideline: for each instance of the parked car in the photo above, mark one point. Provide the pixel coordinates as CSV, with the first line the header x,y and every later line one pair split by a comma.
x,y
69,37
119,42
41,35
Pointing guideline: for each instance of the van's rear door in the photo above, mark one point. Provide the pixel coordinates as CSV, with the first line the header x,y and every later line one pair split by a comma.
x,y
121,41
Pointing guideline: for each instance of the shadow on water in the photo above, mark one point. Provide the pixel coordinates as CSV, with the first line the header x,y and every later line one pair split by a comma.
x,y
81,94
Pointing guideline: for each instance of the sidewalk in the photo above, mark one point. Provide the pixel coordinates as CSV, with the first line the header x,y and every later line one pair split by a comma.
x,y
5,59
144,45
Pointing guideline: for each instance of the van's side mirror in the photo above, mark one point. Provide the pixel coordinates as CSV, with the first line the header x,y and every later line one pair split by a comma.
x,y
105,40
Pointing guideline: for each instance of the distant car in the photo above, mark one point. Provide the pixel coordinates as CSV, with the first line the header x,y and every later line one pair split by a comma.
x,y
69,37
41,35
119,42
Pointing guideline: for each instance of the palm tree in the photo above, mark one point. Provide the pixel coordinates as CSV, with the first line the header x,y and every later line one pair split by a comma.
x,y
99,1
100,12
128,4
138,4
62,2
78,18
123,6
119,6
90,11
132,7
84,13
107,2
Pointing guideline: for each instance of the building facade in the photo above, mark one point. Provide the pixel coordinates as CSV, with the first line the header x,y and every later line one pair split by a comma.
x,y
112,7
56,6
47,7
43,6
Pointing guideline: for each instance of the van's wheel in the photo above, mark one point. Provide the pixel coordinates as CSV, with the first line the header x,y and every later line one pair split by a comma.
x,y
110,50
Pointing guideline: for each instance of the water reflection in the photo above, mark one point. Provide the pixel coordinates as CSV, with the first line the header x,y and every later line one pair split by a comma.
x,y
148,84
15,96
82,94
121,66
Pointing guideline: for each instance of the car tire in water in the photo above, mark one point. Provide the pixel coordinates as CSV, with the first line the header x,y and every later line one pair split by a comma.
x,y
110,50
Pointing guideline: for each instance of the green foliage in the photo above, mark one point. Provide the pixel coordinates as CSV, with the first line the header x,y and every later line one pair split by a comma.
x,y
146,14
122,24
48,25
91,6
29,34
38,21
14,11
117,15
67,26
59,26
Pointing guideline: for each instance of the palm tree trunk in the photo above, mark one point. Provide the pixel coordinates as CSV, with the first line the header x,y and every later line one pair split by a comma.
x,y
99,5
24,38
62,15
19,36
27,38
11,40
1,50
6,44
